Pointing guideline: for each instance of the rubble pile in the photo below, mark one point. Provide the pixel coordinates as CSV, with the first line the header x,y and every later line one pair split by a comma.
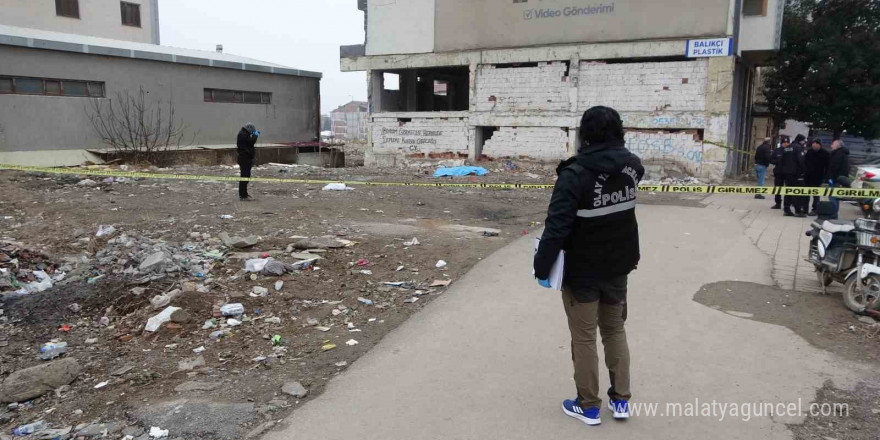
x,y
24,271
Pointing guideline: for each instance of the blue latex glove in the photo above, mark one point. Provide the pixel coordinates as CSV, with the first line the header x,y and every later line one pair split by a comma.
x,y
831,182
257,133
545,284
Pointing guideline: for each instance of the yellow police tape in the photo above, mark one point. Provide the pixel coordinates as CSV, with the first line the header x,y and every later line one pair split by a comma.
x,y
681,189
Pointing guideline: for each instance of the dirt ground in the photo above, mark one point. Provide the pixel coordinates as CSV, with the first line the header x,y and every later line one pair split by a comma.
x,y
56,219
823,321
325,316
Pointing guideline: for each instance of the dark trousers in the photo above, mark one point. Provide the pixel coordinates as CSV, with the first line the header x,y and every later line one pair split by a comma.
x,y
778,180
815,183
245,166
798,202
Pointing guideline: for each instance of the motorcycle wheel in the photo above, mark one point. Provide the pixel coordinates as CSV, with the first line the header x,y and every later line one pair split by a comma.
x,y
824,278
867,298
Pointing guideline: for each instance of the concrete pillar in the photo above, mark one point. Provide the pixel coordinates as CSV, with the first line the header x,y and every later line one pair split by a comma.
x,y
375,85
472,88
409,80
574,82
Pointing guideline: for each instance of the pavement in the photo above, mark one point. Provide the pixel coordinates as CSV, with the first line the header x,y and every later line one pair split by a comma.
x,y
491,359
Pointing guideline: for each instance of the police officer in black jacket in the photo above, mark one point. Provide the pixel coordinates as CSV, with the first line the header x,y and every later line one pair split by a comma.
x,y
247,152
592,217
791,167
816,160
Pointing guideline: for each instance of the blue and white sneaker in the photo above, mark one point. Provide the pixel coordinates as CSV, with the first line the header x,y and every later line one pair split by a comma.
x,y
620,408
590,416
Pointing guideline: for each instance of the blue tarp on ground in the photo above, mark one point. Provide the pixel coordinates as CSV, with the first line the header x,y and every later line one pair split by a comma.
x,y
460,171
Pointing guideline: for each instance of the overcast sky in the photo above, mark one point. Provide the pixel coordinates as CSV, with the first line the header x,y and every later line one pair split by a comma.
x,y
304,34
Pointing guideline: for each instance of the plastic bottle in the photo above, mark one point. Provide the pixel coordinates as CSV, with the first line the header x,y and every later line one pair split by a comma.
x,y
234,309
52,350
29,429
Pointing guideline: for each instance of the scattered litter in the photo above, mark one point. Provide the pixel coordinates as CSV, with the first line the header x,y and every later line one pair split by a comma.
x,y
198,350
341,364
234,309
233,322
362,262
226,217
276,340
460,171
411,300
258,292
366,272
105,230
368,302
156,432
441,264
351,342
25,430
256,265
155,322
101,385
278,285
440,283
337,187
413,242
322,329
52,350
400,268
328,347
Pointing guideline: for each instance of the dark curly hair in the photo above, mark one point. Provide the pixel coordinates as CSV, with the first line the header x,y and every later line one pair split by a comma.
x,y
601,125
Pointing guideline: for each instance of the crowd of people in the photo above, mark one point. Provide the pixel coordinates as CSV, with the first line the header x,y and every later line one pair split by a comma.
x,y
796,164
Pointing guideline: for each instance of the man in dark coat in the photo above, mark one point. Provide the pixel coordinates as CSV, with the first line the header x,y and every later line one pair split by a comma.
x,y
838,167
763,157
816,160
791,166
592,218
247,139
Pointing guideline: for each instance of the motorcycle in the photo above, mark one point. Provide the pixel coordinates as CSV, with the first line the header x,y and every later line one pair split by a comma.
x,y
862,288
849,253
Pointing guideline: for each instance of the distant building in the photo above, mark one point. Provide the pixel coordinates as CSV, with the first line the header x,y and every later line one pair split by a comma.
x,y
57,58
350,121
510,79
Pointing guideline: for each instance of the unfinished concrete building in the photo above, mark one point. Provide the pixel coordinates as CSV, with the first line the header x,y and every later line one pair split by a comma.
x,y
494,79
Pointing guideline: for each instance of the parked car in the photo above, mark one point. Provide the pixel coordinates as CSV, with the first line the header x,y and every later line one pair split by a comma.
x,y
868,176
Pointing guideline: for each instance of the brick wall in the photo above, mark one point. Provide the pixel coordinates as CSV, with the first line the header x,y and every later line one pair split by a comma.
x,y
545,143
663,86
420,136
543,88
674,154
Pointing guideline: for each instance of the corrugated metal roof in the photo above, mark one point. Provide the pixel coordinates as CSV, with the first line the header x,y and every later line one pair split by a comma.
x,y
40,39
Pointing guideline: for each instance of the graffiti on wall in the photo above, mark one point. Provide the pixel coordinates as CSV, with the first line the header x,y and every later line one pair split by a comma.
x,y
689,154
410,139
663,121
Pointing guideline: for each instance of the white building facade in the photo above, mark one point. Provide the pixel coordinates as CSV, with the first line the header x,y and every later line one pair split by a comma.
x,y
129,20
518,75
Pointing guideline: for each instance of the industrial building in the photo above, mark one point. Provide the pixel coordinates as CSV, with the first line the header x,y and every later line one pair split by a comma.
x,y
59,57
493,79
349,121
